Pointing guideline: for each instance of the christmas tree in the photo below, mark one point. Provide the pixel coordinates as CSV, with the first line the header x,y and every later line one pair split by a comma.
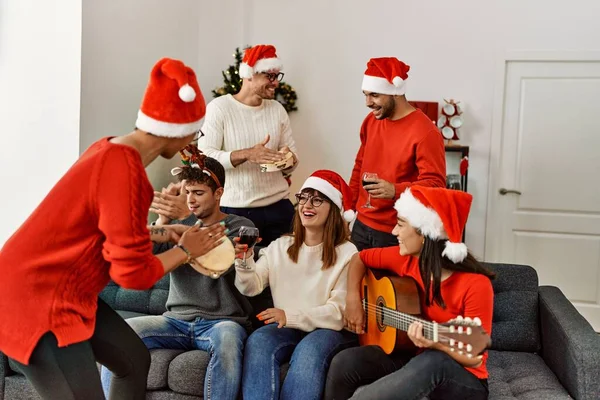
x,y
285,94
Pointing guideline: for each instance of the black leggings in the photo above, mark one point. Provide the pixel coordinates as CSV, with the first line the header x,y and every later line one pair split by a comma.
x,y
70,373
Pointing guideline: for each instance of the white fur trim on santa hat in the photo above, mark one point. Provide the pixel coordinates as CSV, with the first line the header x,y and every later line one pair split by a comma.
x,y
455,252
349,215
263,65
375,84
187,93
420,217
166,129
246,71
323,186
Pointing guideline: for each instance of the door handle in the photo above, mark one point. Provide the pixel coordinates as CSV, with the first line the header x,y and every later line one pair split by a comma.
x,y
503,191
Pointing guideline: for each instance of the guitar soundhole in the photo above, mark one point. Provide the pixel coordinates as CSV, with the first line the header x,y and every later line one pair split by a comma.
x,y
379,313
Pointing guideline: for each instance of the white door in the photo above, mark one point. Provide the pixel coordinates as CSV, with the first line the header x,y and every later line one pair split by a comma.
x,y
548,162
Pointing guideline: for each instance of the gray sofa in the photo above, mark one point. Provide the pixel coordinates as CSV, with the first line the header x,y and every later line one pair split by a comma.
x,y
542,347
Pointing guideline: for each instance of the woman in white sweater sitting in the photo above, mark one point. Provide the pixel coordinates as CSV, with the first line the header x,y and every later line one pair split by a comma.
x,y
307,274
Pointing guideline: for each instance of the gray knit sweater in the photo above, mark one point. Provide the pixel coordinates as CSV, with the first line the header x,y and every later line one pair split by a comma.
x,y
193,295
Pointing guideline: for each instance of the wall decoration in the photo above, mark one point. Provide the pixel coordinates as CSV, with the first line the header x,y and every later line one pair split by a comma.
x,y
450,120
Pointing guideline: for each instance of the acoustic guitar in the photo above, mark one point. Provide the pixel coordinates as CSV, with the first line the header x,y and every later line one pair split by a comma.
x,y
392,303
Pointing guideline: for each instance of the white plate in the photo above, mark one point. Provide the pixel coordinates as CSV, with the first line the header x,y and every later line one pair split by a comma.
x,y
456,121
442,121
449,109
448,132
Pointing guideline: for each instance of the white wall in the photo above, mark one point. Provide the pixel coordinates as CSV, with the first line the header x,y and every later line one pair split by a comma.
x,y
453,48
121,42
40,52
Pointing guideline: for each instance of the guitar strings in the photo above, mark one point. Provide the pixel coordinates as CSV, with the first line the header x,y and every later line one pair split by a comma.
x,y
391,315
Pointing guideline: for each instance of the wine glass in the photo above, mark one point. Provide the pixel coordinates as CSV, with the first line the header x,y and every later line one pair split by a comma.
x,y
367,179
248,235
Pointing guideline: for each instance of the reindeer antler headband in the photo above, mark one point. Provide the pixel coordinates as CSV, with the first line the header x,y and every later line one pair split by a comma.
x,y
195,159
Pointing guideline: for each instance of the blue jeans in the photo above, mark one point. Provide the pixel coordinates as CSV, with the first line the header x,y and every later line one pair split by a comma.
x,y
222,339
309,355
397,376
365,237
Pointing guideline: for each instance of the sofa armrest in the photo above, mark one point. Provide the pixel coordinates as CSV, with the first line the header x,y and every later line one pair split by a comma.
x,y
570,347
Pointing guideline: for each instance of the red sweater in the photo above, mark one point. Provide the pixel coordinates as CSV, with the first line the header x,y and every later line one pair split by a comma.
x,y
409,151
465,294
90,228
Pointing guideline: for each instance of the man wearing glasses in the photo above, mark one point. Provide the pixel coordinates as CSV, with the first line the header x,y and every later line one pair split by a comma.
x,y
245,130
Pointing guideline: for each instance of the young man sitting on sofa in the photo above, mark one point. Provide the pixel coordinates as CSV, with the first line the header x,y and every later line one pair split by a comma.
x,y
202,313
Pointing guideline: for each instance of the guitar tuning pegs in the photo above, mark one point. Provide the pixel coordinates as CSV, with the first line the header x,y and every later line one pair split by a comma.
x,y
477,321
460,329
469,330
468,320
451,328
469,348
452,342
460,345
469,355
459,318
451,348
460,353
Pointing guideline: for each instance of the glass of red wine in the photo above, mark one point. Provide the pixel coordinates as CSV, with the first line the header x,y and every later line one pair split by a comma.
x,y
367,179
249,236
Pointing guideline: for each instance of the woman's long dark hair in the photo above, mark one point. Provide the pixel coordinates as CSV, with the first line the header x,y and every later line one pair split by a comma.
x,y
431,263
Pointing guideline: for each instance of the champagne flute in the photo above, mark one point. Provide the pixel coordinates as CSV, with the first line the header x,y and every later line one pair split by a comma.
x,y
367,179
248,236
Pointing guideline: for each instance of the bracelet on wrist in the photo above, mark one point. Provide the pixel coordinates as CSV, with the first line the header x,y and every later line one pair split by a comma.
x,y
187,253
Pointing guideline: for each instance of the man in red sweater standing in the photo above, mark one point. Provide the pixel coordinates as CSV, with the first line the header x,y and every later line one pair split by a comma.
x,y
399,144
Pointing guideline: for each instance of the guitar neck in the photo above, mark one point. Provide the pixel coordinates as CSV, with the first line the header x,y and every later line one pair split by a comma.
x,y
402,321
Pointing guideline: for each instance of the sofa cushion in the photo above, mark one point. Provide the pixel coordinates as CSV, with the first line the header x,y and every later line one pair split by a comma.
x,y
161,359
515,324
186,372
515,375
129,314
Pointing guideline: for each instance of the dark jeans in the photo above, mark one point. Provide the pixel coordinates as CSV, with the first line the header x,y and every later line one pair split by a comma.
x,y
400,377
365,237
272,221
70,373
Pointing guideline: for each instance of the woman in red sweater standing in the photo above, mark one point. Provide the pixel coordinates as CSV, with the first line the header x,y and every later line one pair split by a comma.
x,y
89,229
429,229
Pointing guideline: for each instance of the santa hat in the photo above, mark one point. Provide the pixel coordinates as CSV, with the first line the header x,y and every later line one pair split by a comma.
x,y
386,75
173,105
260,58
438,213
332,185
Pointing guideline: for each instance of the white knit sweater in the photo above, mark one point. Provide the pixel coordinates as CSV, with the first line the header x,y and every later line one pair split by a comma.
x,y
230,125
311,297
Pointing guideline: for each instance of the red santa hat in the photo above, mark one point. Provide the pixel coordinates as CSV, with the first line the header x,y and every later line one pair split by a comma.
x,y
173,105
438,213
332,185
260,58
385,75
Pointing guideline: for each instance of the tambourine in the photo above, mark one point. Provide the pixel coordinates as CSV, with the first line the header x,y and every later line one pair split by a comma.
x,y
217,261
286,163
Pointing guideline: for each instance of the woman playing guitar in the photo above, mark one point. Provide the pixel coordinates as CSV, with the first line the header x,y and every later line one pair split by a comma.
x,y
450,282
